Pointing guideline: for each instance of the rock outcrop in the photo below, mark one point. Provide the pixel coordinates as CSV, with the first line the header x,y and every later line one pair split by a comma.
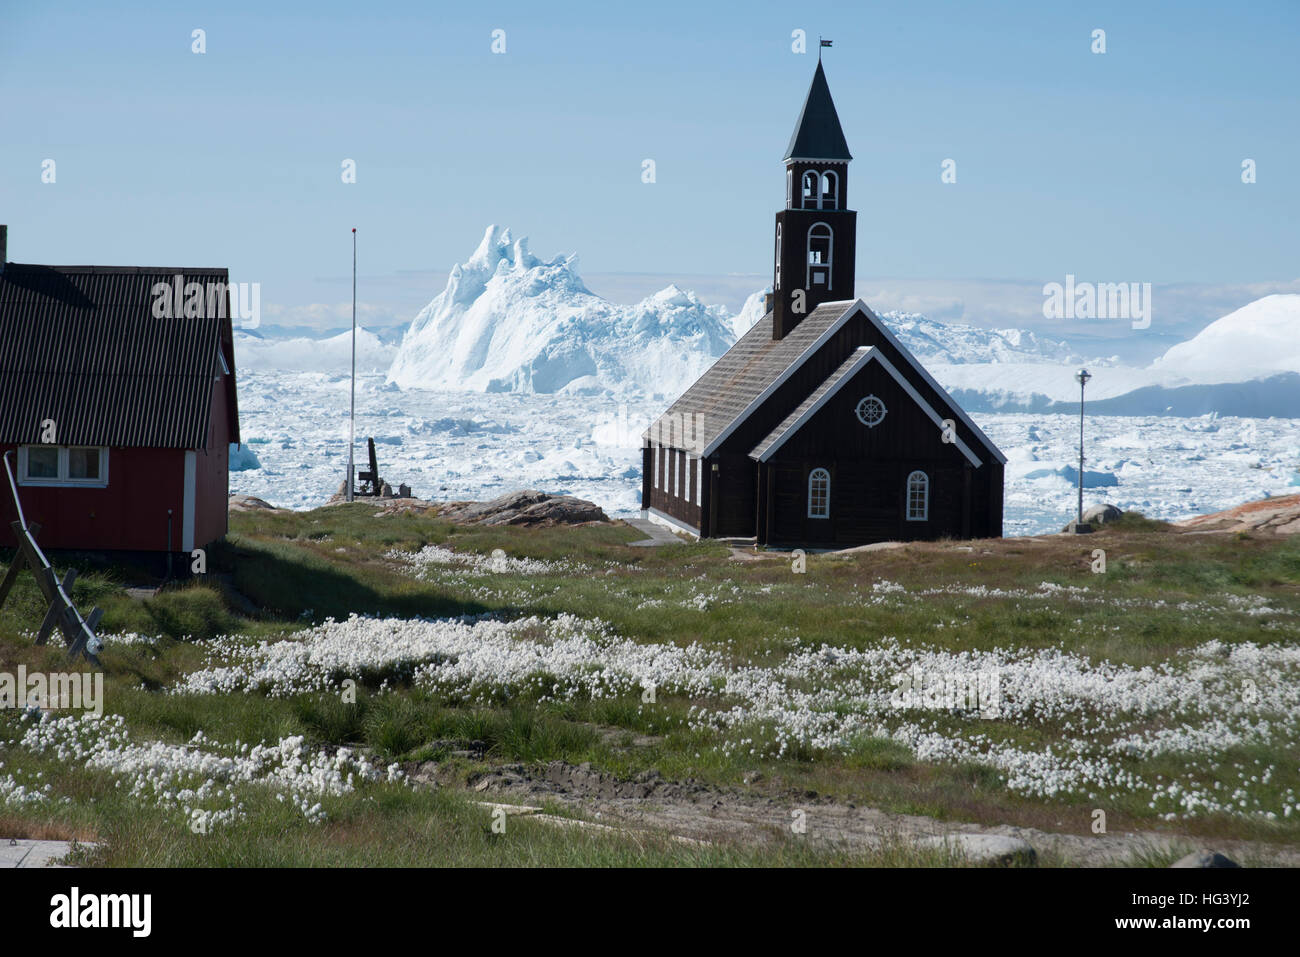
x,y
249,503
527,507
1271,516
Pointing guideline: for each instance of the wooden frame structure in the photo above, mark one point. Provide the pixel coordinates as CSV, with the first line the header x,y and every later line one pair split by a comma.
x,y
78,632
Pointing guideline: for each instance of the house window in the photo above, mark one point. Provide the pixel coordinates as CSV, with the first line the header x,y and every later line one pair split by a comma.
x,y
699,483
42,463
819,494
871,411
918,497
672,473
63,465
820,244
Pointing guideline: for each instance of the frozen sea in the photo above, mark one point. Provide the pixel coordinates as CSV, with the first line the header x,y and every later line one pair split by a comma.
x,y
452,446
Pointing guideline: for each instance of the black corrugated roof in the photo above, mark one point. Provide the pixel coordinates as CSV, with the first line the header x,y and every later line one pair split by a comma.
x,y
817,133
80,345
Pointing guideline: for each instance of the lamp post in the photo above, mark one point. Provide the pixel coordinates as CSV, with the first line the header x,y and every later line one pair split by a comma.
x,y
1082,376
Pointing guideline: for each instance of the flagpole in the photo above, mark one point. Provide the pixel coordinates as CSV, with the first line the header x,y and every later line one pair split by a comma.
x,y
352,412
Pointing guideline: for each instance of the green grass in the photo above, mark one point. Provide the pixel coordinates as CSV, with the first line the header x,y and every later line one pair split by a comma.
x,y
280,572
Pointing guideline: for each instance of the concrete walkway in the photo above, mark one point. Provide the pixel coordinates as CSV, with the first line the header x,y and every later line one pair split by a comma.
x,y
659,534
23,853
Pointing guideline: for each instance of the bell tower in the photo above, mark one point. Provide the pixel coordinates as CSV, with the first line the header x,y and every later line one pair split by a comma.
x,y
816,232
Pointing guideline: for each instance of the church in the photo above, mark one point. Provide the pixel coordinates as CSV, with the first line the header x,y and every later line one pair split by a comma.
x,y
818,428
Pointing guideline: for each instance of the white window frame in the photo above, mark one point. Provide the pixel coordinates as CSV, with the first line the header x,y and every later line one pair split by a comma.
x,y
918,480
699,482
777,284
829,198
809,199
830,255
654,467
62,480
814,475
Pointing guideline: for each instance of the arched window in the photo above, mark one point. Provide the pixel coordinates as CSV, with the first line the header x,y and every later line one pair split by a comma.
x,y
830,198
918,497
820,246
777,283
809,190
789,188
819,494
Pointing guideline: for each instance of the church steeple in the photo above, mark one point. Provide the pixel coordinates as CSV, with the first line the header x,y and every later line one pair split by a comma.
x,y
817,133
816,232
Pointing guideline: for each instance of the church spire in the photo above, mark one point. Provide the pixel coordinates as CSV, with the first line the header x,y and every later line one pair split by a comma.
x,y
817,133
816,232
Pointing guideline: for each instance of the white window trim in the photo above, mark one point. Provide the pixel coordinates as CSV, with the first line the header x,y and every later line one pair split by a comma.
x,y
833,194
654,467
811,476
830,256
777,284
190,497
699,482
810,200
62,481
925,501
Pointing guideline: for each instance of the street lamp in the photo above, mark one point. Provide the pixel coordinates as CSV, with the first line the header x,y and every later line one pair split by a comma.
x,y
1082,376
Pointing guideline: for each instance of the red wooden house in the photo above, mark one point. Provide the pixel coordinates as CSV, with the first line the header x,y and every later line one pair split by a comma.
x,y
117,400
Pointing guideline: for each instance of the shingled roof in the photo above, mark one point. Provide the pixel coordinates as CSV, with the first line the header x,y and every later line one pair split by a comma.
x,y
752,369
739,378
817,133
80,345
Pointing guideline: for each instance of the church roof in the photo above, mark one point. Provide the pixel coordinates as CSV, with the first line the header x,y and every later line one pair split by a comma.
x,y
738,380
735,386
817,133
804,412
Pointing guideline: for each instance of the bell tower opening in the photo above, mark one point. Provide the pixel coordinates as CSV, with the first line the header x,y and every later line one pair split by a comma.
x,y
815,233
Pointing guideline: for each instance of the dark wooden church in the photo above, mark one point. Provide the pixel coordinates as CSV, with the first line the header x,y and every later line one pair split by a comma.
x,y
818,427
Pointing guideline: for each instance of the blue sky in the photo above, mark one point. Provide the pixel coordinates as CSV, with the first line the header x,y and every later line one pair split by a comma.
x,y
1124,166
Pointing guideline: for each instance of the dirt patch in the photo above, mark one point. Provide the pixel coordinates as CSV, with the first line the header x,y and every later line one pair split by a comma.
x,y
690,809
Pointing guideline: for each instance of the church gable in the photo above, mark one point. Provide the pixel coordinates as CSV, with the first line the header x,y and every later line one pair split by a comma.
x,y
866,409
855,327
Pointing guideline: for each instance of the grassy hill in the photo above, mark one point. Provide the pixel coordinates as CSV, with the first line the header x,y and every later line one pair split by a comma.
x,y
1161,691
